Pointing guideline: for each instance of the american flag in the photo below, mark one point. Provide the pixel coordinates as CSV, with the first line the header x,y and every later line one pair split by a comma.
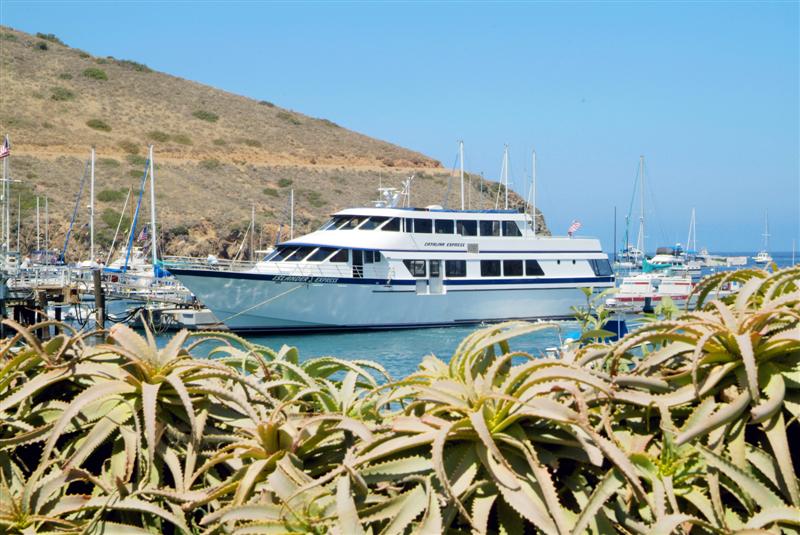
x,y
143,234
5,150
573,228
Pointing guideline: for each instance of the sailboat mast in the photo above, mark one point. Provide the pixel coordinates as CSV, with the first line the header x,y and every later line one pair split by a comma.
x,y
461,159
253,232
91,210
533,191
38,244
153,209
291,214
19,211
641,205
46,223
505,169
5,203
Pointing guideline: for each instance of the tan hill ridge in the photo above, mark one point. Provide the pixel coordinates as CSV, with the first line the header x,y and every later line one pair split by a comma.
x,y
217,154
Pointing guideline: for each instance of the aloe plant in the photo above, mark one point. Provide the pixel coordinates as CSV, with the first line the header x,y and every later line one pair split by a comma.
x,y
685,425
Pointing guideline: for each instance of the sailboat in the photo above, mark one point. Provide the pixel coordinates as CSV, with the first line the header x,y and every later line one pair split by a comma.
x,y
763,256
630,258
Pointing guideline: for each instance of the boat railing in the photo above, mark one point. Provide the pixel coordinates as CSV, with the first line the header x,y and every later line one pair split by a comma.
x,y
209,264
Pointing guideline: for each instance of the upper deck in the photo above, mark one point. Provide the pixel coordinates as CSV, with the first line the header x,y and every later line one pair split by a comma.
x,y
437,230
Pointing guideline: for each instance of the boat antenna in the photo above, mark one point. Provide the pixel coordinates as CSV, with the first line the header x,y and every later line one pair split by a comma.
x,y
461,160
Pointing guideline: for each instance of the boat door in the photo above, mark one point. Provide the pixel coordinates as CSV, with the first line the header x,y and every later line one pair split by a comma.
x,y
358,264
435,283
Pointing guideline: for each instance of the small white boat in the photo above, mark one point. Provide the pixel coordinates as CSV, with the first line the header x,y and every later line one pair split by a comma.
x,y
763,257
637,291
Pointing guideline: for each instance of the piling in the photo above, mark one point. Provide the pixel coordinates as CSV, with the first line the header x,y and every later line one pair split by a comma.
x,y
41,312
99,300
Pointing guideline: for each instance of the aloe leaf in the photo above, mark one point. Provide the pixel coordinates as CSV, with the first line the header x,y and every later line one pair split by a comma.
x,y
774,515
98,391
347,515
149,400
748,357
669,524
432,520
724,415
243,513
608,485
520,496
776,435
391,508
750,485
137,505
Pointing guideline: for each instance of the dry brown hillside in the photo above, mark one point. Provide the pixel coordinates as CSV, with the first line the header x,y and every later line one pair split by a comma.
x,y
218,154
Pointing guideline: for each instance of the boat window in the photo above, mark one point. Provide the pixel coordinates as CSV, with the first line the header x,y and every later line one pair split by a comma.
x,y
467,228
339,257
512,268
601,267
423,226
352,223
455,268
321,254
393,225
368,258
533,269
299,254
327,224
282,253
272,255
376,255
490,268
435,268
510,228
372,223
444,226
490,228
409,225
415,267
335,222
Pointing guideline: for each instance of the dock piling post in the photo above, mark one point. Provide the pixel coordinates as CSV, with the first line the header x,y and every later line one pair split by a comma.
x,y
99,300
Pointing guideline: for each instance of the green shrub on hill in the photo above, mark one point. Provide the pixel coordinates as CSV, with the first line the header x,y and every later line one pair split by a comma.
x,y
285,182
210,164
182,139
205,116
272,192
112,195
41,45
129,146
61,93
95,74
98,124
65,76
158,135
50,37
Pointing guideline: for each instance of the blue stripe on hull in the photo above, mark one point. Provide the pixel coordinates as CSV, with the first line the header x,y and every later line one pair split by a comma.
x,y
385,327
385,282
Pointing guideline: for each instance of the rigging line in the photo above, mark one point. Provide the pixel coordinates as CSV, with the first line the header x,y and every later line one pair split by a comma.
x,y
630,208
500,183
290,290
655,213
450,181
75,211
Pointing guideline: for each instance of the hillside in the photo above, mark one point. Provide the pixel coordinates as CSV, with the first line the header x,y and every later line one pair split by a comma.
x,y
217,154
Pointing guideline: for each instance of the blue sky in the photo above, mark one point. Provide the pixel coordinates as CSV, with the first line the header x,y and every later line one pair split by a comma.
x,y
708,92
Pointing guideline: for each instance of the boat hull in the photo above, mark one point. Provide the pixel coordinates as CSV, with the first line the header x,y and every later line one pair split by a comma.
x,y
250,302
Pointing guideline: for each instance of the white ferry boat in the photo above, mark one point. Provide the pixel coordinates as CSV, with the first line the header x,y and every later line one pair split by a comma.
x,y
389,267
